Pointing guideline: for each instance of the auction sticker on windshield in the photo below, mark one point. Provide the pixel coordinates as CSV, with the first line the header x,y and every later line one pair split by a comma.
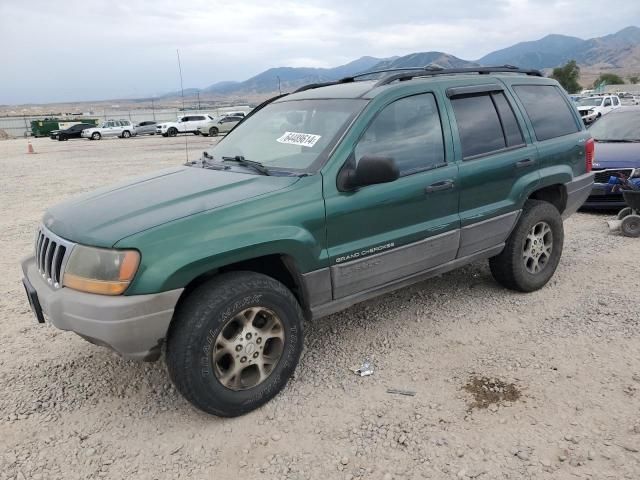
x,y
302,139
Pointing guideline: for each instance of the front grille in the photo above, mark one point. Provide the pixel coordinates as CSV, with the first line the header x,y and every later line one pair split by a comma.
x,y
52,253
602,176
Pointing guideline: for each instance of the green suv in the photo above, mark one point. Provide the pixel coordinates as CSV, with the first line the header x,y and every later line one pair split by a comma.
x,y
318,200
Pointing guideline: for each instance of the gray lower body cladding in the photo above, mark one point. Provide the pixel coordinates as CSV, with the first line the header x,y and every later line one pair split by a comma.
x,y
578,191
358,280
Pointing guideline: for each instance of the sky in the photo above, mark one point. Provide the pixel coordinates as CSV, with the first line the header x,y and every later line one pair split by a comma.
x,y
68,50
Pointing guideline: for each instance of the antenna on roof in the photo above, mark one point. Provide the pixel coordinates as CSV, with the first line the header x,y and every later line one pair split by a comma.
x,y
186,141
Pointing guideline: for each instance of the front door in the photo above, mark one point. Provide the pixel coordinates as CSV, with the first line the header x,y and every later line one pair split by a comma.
x,y
386,232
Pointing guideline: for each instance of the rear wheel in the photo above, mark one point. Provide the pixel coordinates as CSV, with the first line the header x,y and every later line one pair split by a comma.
x,y
213,131
96,136
631,226
172,132
234,343
532,251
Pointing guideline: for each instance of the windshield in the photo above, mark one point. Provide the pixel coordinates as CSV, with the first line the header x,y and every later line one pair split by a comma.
x,y
291,135
618,125
590,102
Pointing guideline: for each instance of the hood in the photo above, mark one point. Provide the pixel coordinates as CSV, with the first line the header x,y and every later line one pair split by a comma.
x,y
617,155
102,217
584,109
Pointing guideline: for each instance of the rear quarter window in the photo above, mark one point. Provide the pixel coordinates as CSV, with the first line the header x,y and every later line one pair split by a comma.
x,y
548,111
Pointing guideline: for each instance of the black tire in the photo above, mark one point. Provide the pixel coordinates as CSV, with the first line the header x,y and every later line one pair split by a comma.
x,y
165,135
96,136
197,132
172,132
62,138
213,131
126,134
509,268
195,330
624,212
631,226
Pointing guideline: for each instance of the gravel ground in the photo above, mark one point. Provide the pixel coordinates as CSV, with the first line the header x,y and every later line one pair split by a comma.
x,y
566,357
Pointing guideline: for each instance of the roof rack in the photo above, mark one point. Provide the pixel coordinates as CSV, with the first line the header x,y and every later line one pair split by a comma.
x,y
426,71
432,70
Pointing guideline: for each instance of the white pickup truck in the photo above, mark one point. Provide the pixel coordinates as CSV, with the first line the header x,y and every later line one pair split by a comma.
x,y
186,124
592,108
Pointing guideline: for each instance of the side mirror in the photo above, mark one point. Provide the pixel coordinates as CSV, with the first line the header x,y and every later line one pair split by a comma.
x,y
371,170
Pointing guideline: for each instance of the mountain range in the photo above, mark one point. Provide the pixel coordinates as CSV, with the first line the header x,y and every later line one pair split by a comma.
x,y
614,51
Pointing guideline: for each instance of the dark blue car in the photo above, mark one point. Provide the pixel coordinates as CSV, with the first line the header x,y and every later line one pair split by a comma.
x,y
617,137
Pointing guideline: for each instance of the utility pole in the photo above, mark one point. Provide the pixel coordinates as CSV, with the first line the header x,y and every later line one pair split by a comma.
x,y
198,100
153,109
279,89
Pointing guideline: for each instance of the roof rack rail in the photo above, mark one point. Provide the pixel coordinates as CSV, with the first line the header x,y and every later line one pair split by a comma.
x,y
431,70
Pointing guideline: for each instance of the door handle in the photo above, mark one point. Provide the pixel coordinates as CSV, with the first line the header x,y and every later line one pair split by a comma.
x,y
525,163
439,186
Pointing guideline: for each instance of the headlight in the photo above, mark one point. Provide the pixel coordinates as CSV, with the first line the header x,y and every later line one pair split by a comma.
x,y
590,112
101,271
636,173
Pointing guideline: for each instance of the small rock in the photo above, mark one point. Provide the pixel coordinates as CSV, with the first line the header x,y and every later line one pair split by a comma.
x,y
591,454
275,437
344,460
522,455
562,458
90,452
460,453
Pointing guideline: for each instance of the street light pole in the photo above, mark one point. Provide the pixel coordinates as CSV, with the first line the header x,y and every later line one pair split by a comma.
x,y
279,89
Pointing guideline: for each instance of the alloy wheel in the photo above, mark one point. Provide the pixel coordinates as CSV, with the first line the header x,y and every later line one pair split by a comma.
x,y
248,348
537,248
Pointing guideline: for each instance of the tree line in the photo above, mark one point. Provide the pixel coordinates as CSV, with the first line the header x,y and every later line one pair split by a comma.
x,y
569,74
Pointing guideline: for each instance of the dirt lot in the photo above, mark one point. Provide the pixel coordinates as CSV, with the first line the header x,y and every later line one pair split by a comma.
x,y
563,365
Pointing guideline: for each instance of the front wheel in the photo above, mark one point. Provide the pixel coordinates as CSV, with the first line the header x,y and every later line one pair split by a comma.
x,y
532,251
234,343
126,134
213,131
96,136
172,132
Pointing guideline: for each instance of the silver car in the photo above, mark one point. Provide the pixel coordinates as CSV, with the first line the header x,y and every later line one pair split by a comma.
x,y
146,128
221,125
110,128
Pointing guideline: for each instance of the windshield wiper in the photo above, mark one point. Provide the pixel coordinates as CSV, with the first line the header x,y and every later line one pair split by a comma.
x,y
617,140
257,166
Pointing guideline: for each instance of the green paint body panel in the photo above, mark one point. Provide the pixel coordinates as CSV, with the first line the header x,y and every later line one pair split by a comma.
x,y
189,221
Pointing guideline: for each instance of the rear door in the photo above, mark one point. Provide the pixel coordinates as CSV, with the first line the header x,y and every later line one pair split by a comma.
x,y
497,161
386,232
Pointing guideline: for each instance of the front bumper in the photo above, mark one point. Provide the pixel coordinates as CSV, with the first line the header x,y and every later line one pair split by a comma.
x,y
133,326
577,192
601,197
587,119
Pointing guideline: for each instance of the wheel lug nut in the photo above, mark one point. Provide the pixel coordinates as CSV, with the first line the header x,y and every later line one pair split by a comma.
x,y
248,336
243,359
259,340
238,348
255,355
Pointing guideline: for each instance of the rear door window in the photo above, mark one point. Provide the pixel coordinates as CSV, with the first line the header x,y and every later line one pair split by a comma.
x,y
548,111
478,125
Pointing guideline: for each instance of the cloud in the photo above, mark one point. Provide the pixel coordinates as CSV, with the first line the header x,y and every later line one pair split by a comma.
x,y
111,48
